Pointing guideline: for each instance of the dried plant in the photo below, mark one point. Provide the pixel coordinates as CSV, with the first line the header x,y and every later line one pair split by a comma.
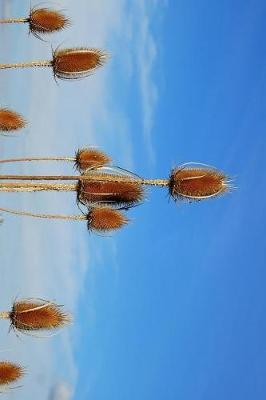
x,y
36,314
68,64
10,120
90,159
104,190
197,183
10,372
42,21
103,219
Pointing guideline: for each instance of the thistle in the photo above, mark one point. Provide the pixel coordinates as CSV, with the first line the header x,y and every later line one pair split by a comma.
x,y
10,120
73,63
36,314
10,372
104,190
42,21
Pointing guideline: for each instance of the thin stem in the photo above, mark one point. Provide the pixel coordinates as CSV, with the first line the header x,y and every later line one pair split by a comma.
x,y
36,187
13,20
31,64
4,315
48,216
89,177
10,160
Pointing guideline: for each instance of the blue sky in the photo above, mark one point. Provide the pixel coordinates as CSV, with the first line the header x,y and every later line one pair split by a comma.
x,y
173,306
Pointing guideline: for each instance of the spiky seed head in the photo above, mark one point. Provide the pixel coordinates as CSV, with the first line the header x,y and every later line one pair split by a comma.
x,y
103,219
77,62
197,183
10,372
90,159
46,20
115,194
32,315
10,120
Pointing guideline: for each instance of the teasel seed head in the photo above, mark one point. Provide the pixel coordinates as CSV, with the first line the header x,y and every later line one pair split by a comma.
x,y
197,183
46,20
37,314
77,63
10,372
110,193
10,120
90,159
104,219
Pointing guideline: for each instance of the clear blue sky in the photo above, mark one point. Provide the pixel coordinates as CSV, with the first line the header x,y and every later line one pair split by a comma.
x,y
173,306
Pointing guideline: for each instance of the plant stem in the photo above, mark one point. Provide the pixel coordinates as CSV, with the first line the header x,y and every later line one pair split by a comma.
x,y
89,177
10,160
35,187
31,64
13,20
4,315
48,216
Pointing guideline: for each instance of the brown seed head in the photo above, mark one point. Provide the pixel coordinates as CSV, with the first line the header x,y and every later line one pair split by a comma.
x,y
111,193
104,219
196,183
32,315
90,159
46,20
77,63
10,120
9,372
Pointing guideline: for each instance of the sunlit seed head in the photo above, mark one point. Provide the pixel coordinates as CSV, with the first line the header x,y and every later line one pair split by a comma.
x,y
46,20
10,120
90,159
10,372
32,315
197,183
77,62
104,219
114,194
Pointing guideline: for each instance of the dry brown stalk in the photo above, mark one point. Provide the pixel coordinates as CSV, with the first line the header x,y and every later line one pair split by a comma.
x,y
10,120
36,314
10,372
67,64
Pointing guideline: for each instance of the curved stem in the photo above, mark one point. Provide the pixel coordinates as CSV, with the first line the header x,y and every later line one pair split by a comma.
x,y
31,64
48,216
13,20
10,160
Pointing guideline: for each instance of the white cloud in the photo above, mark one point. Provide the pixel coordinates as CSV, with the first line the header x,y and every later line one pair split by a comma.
x,y
62,391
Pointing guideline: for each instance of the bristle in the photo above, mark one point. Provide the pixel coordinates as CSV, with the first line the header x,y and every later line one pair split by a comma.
x,y
77,63
196,183
10,120
103,219
9,372
31,315
115,194
45,20
90,159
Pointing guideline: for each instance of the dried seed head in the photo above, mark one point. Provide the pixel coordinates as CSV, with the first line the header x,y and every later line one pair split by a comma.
x,y
32,315
116,194
103,219
46,20
9,372
10,120
90,159
197,183
77,63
